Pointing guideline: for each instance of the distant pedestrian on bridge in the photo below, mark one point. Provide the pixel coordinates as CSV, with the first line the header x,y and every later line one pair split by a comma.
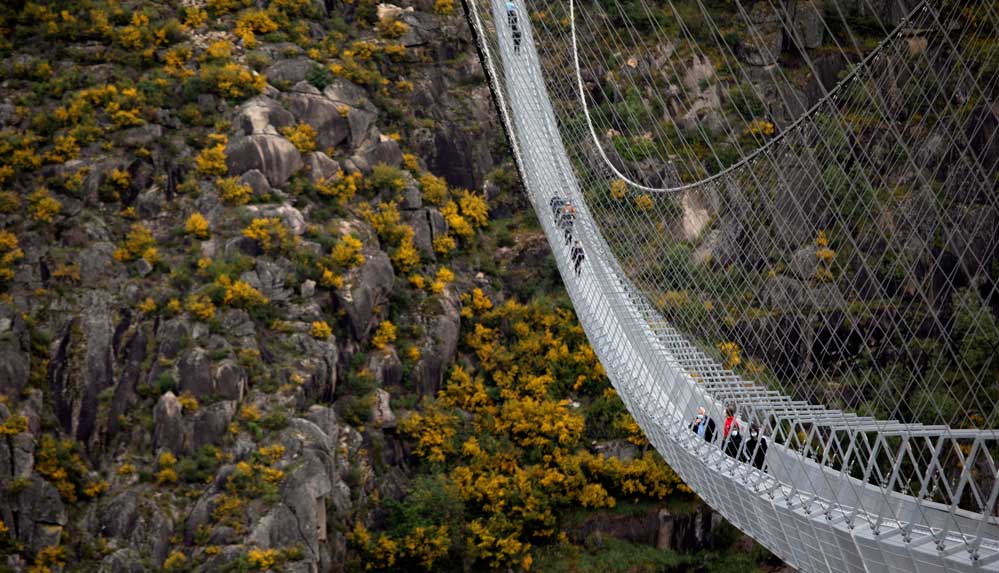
x,y
703,426
731,440
577,256
756,448
567,216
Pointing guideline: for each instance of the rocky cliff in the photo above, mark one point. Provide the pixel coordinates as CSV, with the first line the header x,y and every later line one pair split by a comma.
x,y
243,246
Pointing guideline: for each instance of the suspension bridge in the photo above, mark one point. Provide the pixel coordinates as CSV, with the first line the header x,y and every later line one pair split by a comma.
x,y
822,259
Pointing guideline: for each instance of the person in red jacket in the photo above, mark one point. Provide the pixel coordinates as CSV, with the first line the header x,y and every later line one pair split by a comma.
x,y
730,434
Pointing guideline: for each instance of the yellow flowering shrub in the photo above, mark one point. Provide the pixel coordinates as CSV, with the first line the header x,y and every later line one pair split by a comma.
x,y
474,208
176,561
444,7
219,50
59,462
147,306
347,252
434,431
644,202
341,187
188,402
139,243
211,159
200,306
384,335
253,22
320,330
14,424
730,354
239,293
302,136
406,257
263,559
444,244
456,221
434,189
232,191
232,80
44,207
167,474
391,28
197,226
618,189
10,254
271,234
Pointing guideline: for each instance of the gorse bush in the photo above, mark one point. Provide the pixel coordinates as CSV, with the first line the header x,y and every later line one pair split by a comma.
x,y
518,458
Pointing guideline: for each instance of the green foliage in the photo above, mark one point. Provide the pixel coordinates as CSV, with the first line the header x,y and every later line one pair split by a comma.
x,y
200,467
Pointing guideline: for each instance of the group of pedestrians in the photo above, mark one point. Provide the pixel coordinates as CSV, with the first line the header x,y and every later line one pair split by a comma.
x,y
754,449
514,22
564,215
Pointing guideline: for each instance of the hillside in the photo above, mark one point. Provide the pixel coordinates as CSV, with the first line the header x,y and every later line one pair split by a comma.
x,y
273,299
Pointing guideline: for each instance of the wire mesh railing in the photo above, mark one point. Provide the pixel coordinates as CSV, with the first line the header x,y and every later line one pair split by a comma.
x,y
798,284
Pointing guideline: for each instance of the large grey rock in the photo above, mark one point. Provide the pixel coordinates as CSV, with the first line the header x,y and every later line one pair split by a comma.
x,y
82,365
211,423
319,166
381,411
14,349
804,263
344,92
168,424
262,115
140,136
332,127
272,155
808,23
195,374
800,207
134,520
290,72
439,351
230,380
319,366
269,278
97,265
365,288
384,150
781,293
257,181
126,560
36,514
761,38
307,487
423,235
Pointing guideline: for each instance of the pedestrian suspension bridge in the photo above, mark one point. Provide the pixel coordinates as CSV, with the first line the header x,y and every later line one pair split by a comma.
x,y
791,209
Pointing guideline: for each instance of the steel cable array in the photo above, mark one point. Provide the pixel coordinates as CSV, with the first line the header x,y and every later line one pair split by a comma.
x,y
828,268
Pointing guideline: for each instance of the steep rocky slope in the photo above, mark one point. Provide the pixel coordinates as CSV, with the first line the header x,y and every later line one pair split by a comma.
x,y
239,260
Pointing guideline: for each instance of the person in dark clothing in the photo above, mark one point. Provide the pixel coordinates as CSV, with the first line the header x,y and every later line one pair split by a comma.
x,y
567,217
756,448
513,21
556,203
731,439
577,256
703,426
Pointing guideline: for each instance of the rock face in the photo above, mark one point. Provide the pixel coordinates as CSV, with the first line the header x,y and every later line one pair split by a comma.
x,y
83,367
274,156
366,288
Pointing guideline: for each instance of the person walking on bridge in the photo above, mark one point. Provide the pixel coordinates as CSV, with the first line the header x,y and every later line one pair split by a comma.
x,y
567,216
577,256
730,435
703,426
756,448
